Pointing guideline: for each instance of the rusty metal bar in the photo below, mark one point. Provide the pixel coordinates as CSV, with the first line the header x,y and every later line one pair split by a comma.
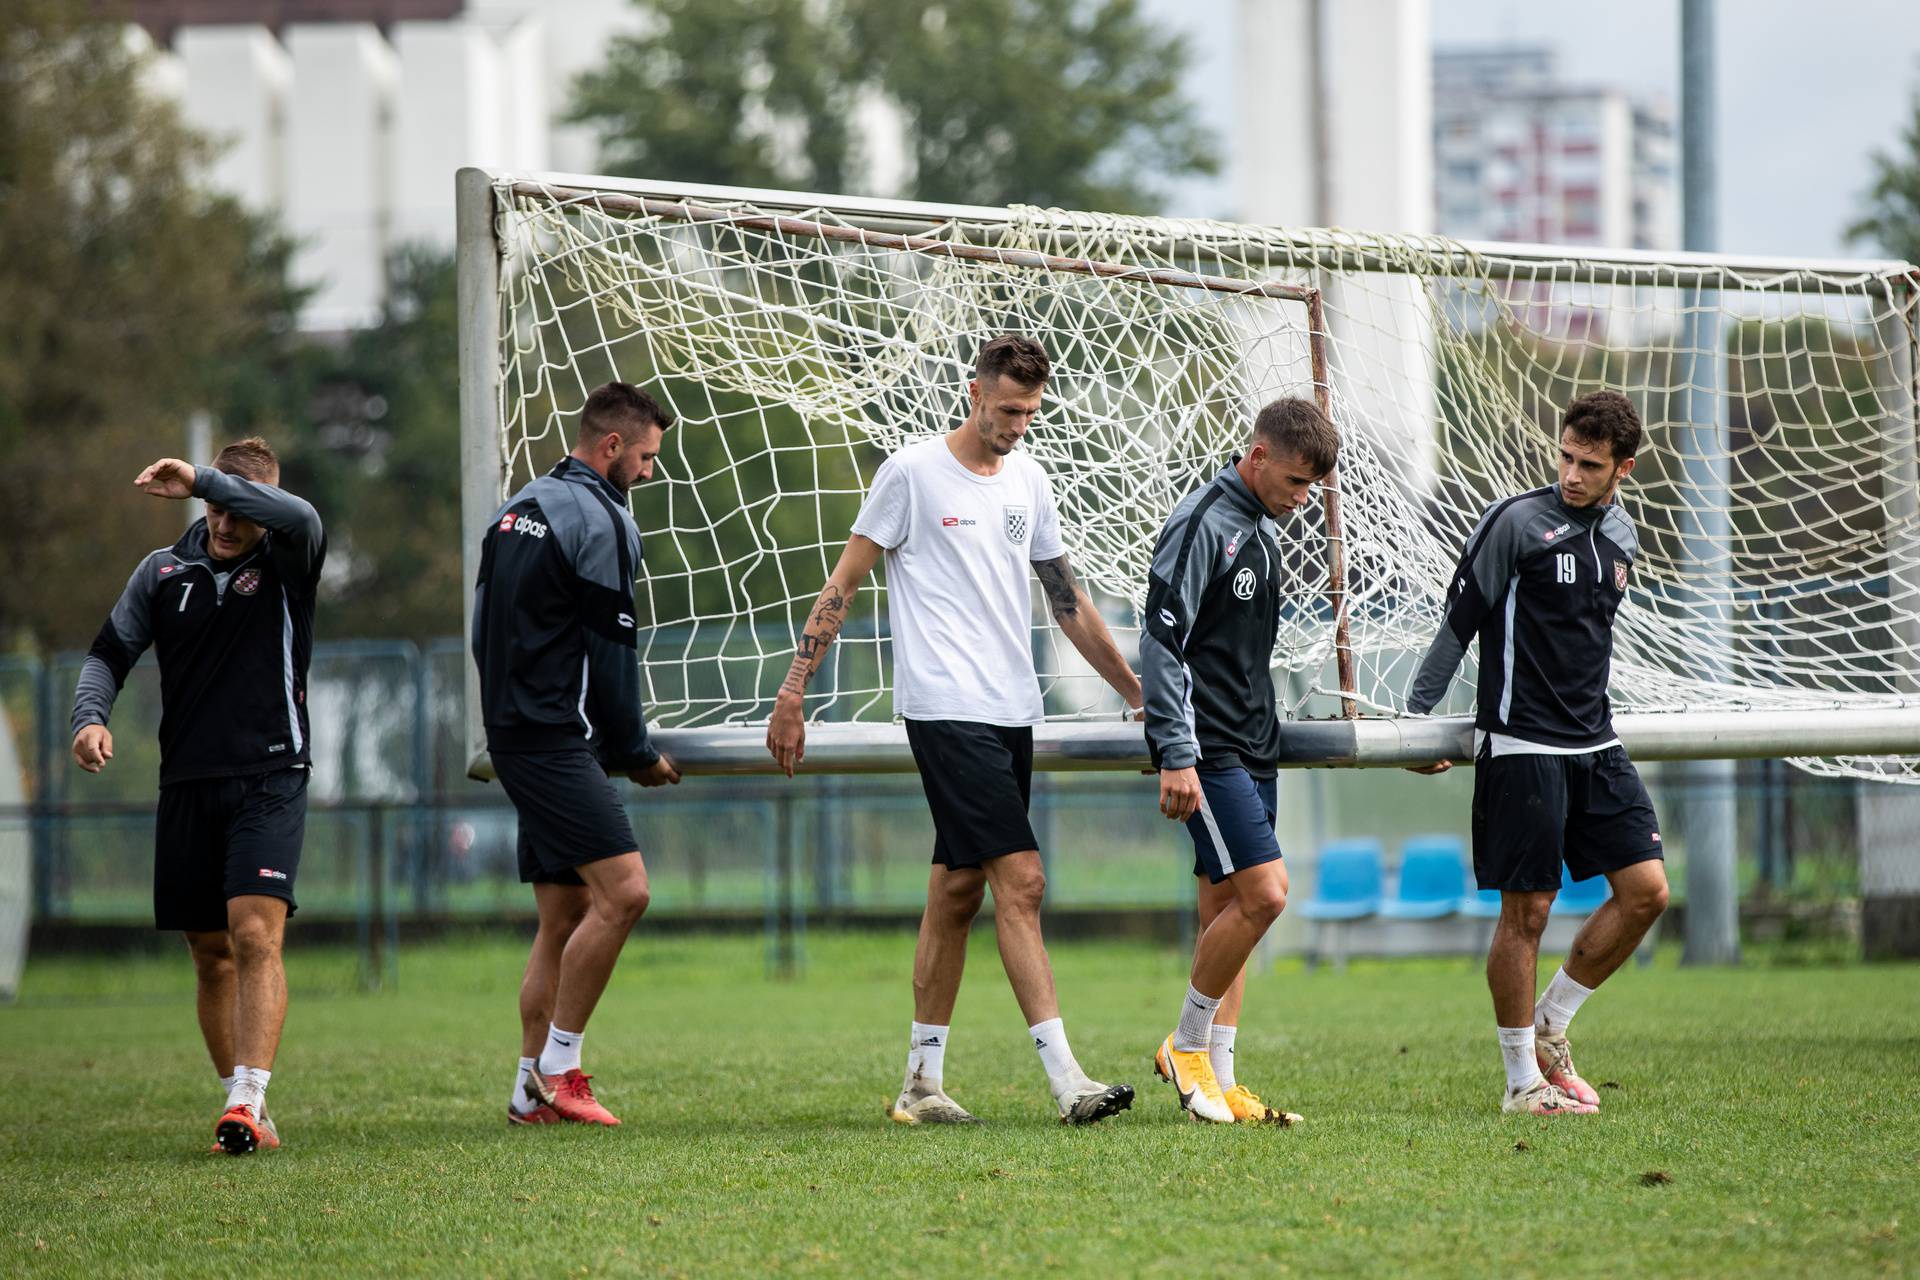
x,y
1330,501
686,211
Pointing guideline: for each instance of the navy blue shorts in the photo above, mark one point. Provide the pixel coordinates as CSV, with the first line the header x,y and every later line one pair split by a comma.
x,y
569,812
1233,827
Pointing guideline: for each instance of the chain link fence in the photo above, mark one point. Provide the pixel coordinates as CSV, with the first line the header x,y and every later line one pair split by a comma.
x,y
401,844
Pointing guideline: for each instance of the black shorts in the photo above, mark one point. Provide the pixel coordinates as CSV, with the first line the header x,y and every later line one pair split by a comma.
x,y
978,779
222,838
570,814
1532,811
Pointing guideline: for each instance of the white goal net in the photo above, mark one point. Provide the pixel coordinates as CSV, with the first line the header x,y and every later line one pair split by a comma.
x,y
800,341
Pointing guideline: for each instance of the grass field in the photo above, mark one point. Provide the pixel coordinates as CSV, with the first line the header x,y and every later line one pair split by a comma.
x,y
1757,1122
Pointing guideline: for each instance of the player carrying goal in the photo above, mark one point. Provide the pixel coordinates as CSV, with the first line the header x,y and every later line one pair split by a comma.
x,y
1213,611
1542,576
959,518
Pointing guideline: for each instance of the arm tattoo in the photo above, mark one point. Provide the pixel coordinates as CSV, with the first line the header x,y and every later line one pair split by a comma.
x,y
823,628
1056,579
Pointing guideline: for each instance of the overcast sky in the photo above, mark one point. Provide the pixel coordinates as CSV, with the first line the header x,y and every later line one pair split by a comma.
x,y
1808,90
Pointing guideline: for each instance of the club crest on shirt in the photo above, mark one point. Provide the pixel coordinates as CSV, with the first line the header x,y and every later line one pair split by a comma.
x,y
247,581
1243,583
1016,524
1619,575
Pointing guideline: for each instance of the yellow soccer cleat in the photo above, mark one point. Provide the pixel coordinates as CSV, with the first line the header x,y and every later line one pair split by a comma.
x,y
1191,1075
1248,1109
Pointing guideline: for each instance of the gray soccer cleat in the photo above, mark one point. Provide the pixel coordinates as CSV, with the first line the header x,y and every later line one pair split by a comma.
x,y
921,1102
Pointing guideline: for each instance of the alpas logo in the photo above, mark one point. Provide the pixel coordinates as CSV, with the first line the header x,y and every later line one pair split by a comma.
x,y
523,524
1551,534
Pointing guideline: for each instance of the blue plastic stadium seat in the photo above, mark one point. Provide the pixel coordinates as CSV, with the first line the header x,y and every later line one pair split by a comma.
x,y
1580,898
1481,904
1348,886
1433,878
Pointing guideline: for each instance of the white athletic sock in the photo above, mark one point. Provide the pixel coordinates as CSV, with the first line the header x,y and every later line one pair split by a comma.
x,y
927,1055
1050,1038
518,1100
1220,1049
562,1053
1196,1022
249,1088
1558,1003
227,1082
1516,1046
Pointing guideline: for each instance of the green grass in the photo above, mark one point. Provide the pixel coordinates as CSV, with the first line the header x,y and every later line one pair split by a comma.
x,y
1778,1103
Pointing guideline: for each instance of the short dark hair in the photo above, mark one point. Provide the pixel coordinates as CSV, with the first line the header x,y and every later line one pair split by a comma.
x,y
250,459
1015,357
1296,426
1605,417
615,404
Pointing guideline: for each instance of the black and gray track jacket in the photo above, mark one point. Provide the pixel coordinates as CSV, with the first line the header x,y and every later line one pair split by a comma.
x,y
233,639
553,621
1539,584
1206,649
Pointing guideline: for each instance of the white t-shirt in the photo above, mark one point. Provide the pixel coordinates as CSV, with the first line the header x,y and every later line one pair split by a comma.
x,y
959,552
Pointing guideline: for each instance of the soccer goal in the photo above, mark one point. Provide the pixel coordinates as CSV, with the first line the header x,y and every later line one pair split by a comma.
x,y
799,339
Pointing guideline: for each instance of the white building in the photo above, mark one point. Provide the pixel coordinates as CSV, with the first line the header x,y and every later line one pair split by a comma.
x,y
348,118
1520,156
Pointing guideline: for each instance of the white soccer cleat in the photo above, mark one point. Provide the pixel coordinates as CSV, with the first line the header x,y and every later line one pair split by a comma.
x,y
920,1103
1543,1099
1089,1101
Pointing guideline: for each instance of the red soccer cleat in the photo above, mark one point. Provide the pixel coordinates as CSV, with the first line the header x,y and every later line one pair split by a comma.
x,y
570,1095
542,1114
240,1132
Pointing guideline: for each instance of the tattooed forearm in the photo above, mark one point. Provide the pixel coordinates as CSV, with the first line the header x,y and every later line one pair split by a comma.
x,y
823,628
1056,579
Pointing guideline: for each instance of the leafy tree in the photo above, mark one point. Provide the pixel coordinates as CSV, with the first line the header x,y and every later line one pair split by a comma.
x,y
382,416
1891,210
133,297
1073,103
1054,102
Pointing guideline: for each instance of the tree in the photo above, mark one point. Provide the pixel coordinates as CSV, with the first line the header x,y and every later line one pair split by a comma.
x,y
1891,209
133,297
1054,102
385,415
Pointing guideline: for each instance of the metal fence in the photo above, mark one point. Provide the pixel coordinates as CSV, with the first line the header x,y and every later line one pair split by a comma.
x,y
400,839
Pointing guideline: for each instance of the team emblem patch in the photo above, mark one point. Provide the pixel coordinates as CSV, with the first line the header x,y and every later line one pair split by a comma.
x,y
1619,575
1243,584
1016,524
247,581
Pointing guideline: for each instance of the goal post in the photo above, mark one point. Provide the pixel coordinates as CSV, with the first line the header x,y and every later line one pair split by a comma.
x,y
800,338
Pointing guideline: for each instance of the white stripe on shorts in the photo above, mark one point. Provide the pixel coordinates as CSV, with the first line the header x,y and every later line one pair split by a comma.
x,y
1213,830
